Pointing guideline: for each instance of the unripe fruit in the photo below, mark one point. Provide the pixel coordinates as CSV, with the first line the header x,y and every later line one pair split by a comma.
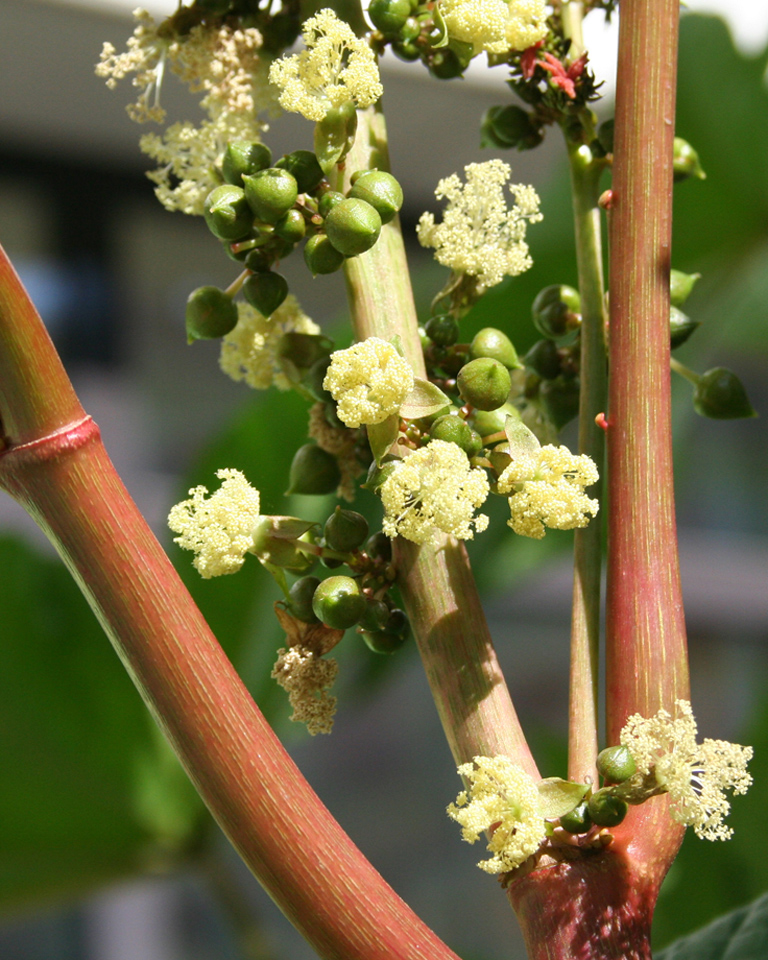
x,y
244,157
442,330
382,191
453,429
313,471
605,135
227,213
445,64
302,349
556,310
490,342
578,820
509,126
406,50
303,167
616,764
560,399
389,16
681,285
720,395
375,616
544,359
379,547
258,260
385,643
487,422
397,623
345,530
321,256
484,383
210,314
680,327
353,226
328,201
300,599
685,161
270,193
338,602
291,227
265,291
605,809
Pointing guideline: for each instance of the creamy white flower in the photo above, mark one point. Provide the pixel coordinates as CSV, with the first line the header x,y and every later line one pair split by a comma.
x,y
495,25
369,381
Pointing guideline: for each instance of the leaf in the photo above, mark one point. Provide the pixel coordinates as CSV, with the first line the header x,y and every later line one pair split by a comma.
x,y
559,796
740,935
438,35
424,400
523,443
382,435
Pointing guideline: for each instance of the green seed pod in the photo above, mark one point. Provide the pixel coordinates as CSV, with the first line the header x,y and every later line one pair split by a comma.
x,y
484,383
544,359
304,168
510,126
680,327
258,260
382,191
578,820
302,350
271,193
321,256
210,314
605,809
681,286
353,226
345,530
389,16
445,64
720,395
406,50
291,227
616,764
560,399
300,602
375,616
453,429
328,201
244,157
442,330
490,342
685,161
338,602
265,291
227,213
557,310
379,547
380,642
313,471
605,135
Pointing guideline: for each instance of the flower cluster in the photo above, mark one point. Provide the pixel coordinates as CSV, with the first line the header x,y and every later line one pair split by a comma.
x,y
503,799
550,491
336,67
306,678
249,351
434,489
479,234
495,26
695,775
217,529
369,381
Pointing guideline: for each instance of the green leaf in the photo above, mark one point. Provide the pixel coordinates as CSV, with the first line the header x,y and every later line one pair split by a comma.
x,y
424,400
438,36
522,441
740,935
559,796
382,435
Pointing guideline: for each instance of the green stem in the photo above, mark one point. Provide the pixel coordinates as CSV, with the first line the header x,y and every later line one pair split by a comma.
x,y
438,588
690,375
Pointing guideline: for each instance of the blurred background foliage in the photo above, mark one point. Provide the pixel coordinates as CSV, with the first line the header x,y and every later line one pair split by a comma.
x,y
90,791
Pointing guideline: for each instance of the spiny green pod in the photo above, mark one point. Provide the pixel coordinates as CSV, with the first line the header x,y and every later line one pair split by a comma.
x,y
292,227
681,285
300,599
453,429
385,643
605,809
560,399
685,161
338,602
329,200
210,314
353,226
490,342
345,530
270,193
544,359
304,168
265,291
484,383
321,256
375,616
578,820
389,16
510,126
720,395
244,157
313,471
379,547
680,327
557,310
442,330
381,190
616,764
227,213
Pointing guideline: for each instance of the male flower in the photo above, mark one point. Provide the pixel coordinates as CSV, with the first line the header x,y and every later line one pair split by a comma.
x,y
369,381
495,25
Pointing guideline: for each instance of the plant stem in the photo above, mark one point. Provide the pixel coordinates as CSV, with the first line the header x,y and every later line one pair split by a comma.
x,y
690,375
55,465
438,588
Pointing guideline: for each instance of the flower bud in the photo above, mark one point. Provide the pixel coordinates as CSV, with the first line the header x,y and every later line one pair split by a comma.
x,y
578,820
382,191
345,530
510,126
265,291
375,616
321,256
210,314
544,359
313,471
353,226
556,310
380,642
605,809
685,161
680,286
490,342
720,395
244,157
227,213
328,201
560,399
379,547
270,193
304,168
680,327
615,764
300,602
453,429
389,16
442,330
338,602
484,383
291,227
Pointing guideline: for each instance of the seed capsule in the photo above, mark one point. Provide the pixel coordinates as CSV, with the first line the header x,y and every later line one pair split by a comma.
x,y
353,226
490,342
380,642
578,820
270,193
244,157
265,291
338,602
557,310
605,809
442,330
313,471
720,395
615,764
484,383
685,161
300,602
303,166
345,530
381,190
321,256
210,314
227,213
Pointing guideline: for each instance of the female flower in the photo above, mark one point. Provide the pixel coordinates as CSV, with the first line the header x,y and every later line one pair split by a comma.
x,y
495,26
369,381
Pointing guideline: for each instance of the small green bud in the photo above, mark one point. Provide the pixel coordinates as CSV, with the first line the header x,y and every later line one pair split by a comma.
x,y
442,330
328,201
578,820
557,310
291,227
379,547
321,256
338,602
410,30
560,399
375,616
484,383
510,126
270,193
265,291
227,213
720,395
353,226
453,429
616,764
544,359
605,809
304,168
406,50
680,286
300,602
389,16
382,191
244,157
313,471
345,530
490,342
380,642
680,327
685,162
605,135
210,314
